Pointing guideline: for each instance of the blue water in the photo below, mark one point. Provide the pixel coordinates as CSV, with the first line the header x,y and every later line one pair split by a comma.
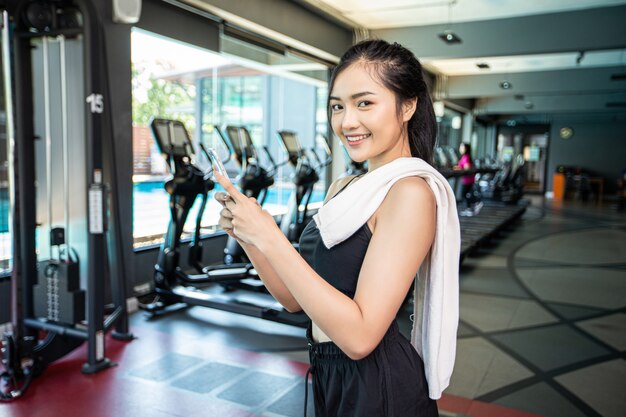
x,y
274,196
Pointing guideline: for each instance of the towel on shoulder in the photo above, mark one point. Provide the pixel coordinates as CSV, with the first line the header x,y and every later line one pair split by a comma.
x,y
436,314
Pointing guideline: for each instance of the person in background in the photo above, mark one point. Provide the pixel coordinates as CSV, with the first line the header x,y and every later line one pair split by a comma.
x,y
465,163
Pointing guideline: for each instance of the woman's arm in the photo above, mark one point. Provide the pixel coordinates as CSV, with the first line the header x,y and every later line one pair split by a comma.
x,y
271,279
405,228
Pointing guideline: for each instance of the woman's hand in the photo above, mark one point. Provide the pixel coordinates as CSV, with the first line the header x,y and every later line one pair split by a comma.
x,y
225,221
242,217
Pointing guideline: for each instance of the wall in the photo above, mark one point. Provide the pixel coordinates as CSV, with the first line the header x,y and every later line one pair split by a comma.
x,y
598,144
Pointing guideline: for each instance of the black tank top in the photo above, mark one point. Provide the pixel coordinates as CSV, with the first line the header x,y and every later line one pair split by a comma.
x,y
340,265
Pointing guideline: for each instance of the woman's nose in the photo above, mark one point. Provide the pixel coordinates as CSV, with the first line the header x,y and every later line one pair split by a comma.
x,y
350,120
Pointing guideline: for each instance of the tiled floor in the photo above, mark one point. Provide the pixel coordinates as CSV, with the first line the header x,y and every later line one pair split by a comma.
x,y
542,333
543,314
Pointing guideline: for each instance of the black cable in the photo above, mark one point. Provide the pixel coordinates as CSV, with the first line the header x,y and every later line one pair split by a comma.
x,y
16,392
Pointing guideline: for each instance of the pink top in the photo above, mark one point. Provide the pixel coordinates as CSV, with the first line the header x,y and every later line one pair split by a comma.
x,y
465,163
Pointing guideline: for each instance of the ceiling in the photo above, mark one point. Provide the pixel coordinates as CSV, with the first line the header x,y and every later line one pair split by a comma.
x,y
558,56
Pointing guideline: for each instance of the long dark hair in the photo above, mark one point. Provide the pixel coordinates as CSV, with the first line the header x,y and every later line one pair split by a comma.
x,y
399,71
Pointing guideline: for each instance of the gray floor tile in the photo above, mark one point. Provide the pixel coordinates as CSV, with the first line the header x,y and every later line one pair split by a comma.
x,y
481,367
551,347
503,371
593,287
573,312
601,386
292,403
473,358
486,261
491,281
492,313
166,367
589,247
610,329
464,330
256,388
208,377
540,399
520,262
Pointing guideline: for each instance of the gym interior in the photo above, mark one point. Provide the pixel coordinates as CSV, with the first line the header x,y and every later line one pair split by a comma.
x,y
121,296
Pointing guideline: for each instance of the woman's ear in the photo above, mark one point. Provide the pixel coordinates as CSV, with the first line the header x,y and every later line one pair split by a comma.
x,y
408,109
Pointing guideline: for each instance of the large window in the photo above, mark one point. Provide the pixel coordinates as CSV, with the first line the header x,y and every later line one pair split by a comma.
x,y
244,85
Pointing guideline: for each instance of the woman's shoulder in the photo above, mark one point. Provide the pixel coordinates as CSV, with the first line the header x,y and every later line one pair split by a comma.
x,y
410,191
410,200
338,185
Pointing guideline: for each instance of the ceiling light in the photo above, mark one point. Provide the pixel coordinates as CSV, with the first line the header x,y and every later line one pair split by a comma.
x,y
505,85
482,65
528,105
449,37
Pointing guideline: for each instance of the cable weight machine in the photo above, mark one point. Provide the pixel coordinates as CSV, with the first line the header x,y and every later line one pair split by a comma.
x,y
42,329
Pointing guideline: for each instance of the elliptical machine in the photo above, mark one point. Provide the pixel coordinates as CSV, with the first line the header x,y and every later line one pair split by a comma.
x,y
508,187
254,180
174,287
306,174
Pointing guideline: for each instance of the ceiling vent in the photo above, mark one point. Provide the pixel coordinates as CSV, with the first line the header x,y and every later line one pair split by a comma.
x,y
619,77
613,104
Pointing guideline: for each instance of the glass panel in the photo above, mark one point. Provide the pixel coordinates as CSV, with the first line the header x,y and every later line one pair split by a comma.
x,y
449,136
253,91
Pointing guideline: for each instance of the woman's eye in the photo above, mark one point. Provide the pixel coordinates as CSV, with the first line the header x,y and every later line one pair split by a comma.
x,y
363,103
335,107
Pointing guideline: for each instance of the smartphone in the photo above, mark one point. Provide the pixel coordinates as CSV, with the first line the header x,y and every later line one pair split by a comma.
x,y
217,162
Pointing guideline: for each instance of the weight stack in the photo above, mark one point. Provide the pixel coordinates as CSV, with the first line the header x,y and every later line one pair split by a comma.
x,y
57,295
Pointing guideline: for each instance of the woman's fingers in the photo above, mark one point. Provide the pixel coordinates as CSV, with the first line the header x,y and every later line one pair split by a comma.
x,y
221,197
228,186
226,213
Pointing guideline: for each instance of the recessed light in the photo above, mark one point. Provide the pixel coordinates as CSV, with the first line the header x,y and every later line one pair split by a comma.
x,y
505,85
449,37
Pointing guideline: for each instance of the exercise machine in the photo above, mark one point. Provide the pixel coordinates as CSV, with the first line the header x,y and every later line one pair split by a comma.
x,y
254,180
174,287
508,184
58,303
307,167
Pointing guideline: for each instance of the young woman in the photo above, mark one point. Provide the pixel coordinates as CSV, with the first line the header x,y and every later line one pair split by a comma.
x,y
352,285
465,162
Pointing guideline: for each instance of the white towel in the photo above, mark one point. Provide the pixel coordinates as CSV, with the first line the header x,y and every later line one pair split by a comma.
x,y
436,313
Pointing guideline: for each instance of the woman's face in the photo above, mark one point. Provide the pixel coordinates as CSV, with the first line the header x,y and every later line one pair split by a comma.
x,y
364,116
462,149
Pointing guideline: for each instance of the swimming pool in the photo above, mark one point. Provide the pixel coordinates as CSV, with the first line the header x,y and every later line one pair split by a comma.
x,y
151,212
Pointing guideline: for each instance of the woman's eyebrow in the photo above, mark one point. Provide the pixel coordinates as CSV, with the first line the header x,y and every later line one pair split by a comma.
x,y
354,96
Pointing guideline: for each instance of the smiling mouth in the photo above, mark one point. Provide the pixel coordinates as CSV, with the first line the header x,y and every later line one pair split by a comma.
x,y
357,138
